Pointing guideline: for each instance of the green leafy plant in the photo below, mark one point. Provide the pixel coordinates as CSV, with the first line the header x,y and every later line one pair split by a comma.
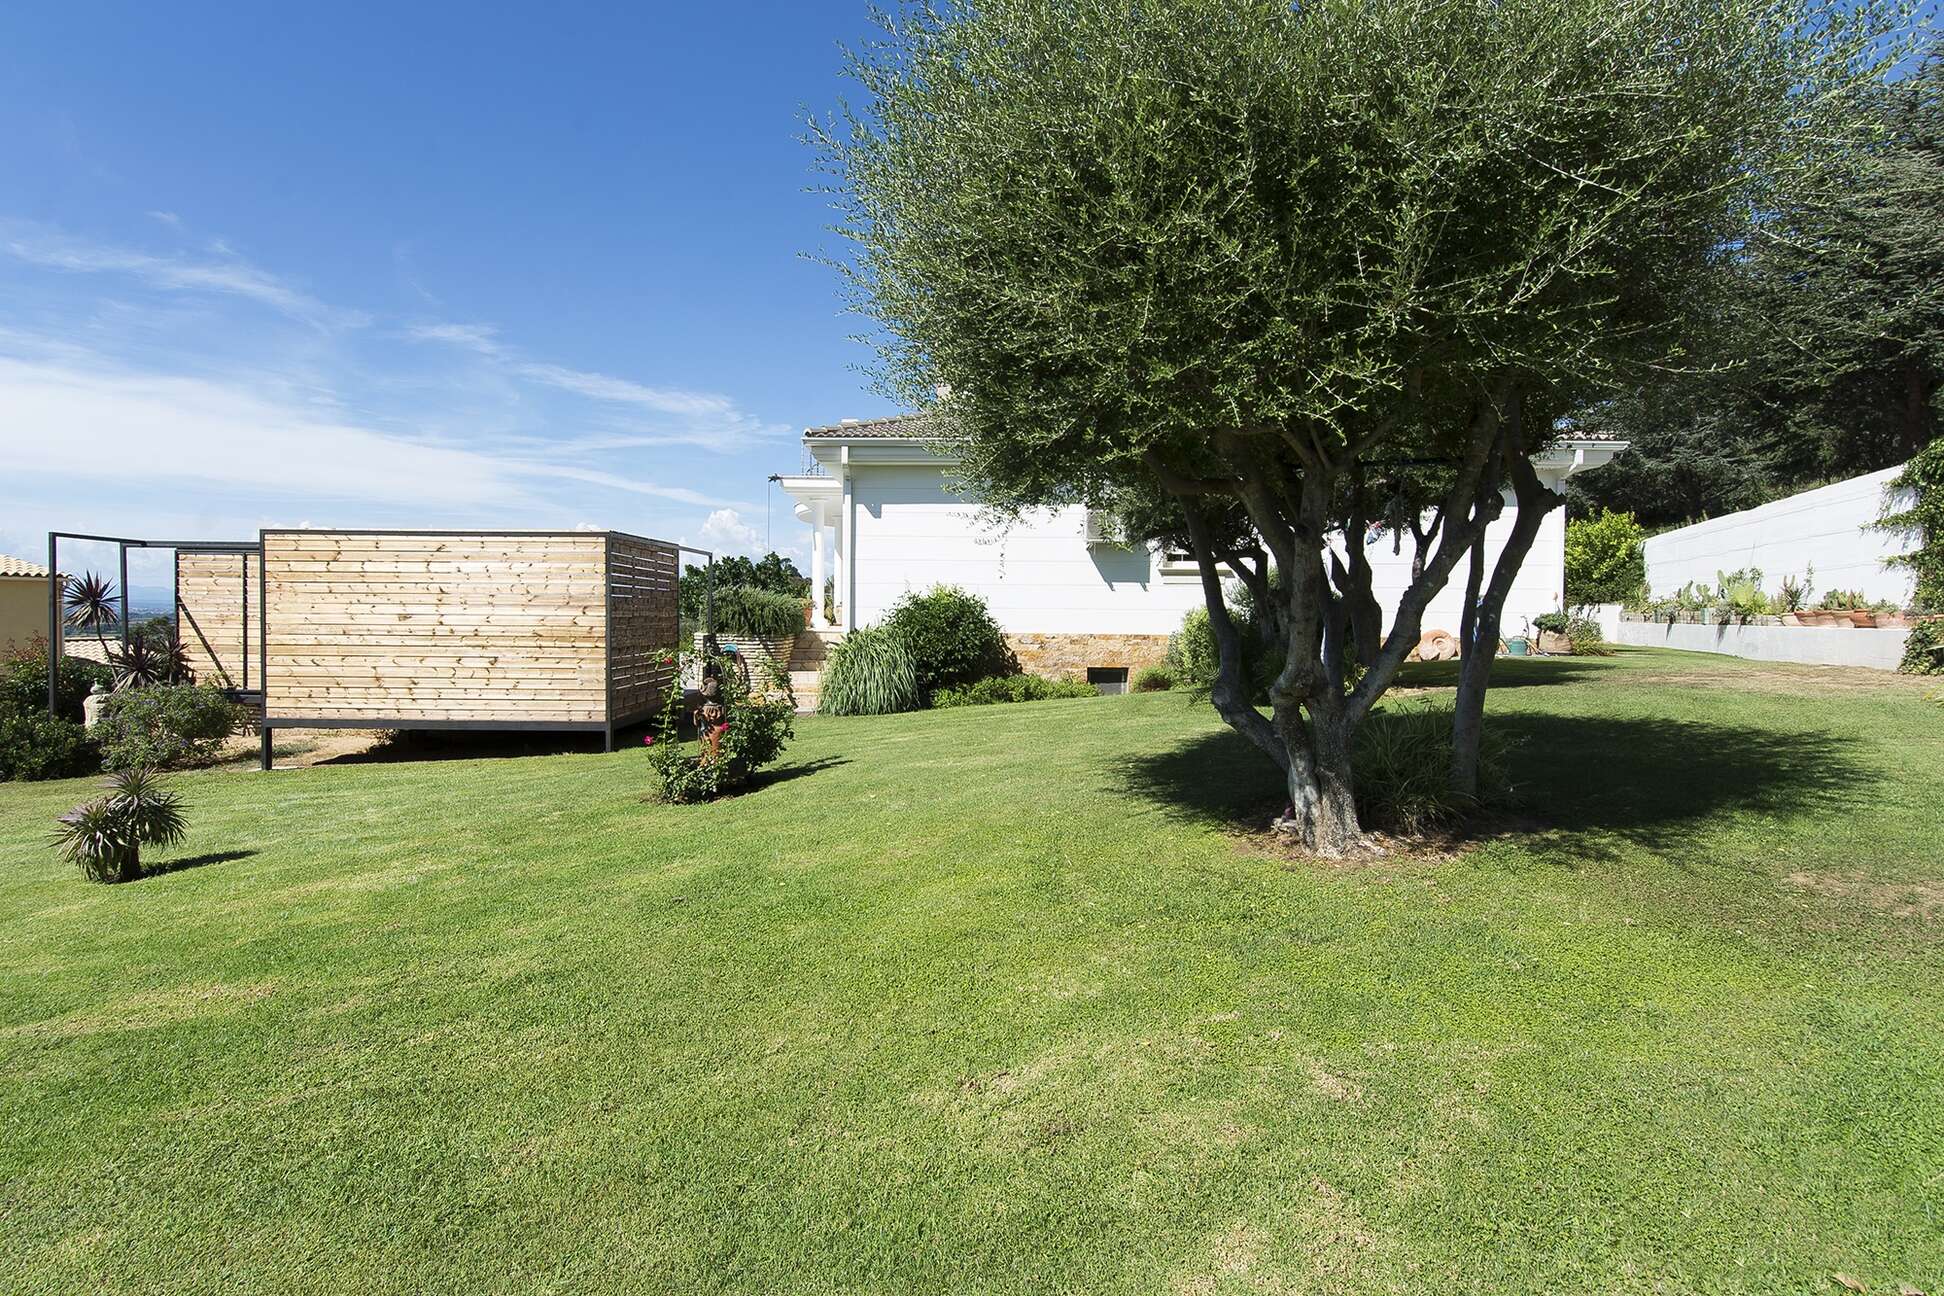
x,y
35,745
166,726
1403,769
1845,601
1000,689
1606,559
1923,479
870,671
747,731
1585,636
1152,679
1191,650
1550,622
771,572
757,612
23,682
952,637
1794,594
1924,649
105,836
1739,596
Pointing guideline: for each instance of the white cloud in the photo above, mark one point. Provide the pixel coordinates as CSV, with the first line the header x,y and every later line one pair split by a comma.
x,y
168,218
229,277
694,418
724,532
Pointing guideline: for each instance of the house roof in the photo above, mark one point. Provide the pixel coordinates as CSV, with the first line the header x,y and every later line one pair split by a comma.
x,y
893,427
11,566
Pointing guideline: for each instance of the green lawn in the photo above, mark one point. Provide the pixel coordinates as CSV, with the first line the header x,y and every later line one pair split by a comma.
x,y
993,1000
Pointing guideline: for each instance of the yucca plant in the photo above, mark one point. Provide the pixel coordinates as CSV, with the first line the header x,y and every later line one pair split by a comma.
x,y
870,672
145,663
104,837
90,604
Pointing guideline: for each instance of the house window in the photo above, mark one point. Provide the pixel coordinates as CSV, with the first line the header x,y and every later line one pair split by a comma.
x,y
1108,679
1179,563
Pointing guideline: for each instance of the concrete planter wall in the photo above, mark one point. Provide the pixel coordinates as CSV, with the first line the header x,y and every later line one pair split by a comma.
x,y
1810,645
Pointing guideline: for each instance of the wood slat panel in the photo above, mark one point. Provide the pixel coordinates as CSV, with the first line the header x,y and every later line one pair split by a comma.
x,y
217,616
437,627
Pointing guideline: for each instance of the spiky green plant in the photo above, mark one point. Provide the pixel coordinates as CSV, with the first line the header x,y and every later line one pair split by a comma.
x,y
145,663
759,613
870,672
104,837
90,604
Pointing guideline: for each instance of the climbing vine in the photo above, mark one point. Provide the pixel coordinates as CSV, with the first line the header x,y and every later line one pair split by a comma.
x,y
1923,521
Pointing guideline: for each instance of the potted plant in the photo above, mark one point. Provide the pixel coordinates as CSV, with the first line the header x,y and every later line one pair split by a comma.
x,y
1552,634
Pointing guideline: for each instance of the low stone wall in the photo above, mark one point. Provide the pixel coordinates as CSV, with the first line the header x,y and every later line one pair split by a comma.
x,y
757,652
1809,645
1070,656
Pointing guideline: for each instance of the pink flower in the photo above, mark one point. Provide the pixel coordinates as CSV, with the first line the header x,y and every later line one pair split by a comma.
x,y
648,741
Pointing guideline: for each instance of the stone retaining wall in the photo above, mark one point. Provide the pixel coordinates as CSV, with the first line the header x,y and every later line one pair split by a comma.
x,y
1070,656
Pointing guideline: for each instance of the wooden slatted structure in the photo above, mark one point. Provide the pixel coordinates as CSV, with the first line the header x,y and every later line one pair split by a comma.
x,y
218,617
465,630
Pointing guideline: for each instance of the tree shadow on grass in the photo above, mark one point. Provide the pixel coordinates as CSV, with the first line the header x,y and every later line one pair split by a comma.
x,y
1590,781
784,773
1507,672
158,868
464,744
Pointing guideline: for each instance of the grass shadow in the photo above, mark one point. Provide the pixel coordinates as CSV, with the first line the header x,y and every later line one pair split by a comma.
x,y
1591,780
436,745
191,862
1508,672
784,773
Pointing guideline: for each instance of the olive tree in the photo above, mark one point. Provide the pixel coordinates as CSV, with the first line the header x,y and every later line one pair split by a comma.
x,y
1262,258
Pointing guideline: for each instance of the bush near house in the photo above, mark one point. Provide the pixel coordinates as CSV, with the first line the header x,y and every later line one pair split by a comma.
x,y
34,744
1924,649
870,671
1606,559
166,726
759,613
1152,679
1191,650
952,637
1012,688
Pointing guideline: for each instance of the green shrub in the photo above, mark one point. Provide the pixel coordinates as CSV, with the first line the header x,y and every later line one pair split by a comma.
x,y
1922,522
870,671
1152,679
1924,649
23,682
1012,688
952,638
1606,559
749,733
757,612
1402,768
1550,622
1584,635
166,726
1191,650
35,745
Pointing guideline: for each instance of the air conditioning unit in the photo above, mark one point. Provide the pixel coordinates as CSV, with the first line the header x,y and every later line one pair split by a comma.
x,y
1102,531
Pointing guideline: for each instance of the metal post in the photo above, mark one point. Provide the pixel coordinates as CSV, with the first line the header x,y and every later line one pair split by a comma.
x,y
53,626
266,746
122,549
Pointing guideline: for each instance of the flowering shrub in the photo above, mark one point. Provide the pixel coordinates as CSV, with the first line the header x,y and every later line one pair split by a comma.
x,y
737,732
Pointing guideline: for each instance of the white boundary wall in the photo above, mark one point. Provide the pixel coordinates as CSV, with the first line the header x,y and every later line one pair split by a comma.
x,y
1811,645
1827,527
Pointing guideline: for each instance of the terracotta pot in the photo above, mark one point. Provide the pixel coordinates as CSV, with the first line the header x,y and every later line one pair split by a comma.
x,y
1862,619
1891,621
1824,617
1791,619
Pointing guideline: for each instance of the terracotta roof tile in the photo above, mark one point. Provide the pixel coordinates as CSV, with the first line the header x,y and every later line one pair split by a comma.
x,y
11,566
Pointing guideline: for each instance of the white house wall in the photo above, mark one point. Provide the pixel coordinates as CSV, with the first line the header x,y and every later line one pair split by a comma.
x,y
1828,527
1040,577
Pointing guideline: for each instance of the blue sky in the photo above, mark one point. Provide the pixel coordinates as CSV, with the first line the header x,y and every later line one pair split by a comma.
x,y
434,265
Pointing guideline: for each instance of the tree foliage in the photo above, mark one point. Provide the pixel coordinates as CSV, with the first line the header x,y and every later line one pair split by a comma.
x,y
1822,357
772,572
1606,559
1255,258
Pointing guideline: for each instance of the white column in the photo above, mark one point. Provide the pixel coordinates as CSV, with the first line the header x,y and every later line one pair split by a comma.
x,y
817,568
847,546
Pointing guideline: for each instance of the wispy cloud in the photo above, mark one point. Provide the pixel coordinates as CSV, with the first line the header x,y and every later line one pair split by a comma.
x,y
699,418
228,276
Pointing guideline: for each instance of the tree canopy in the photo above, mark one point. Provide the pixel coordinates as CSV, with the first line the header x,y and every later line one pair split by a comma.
x,y
1252,258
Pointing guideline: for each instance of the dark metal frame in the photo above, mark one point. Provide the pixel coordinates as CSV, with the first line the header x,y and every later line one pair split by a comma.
x,y
606,727
123,545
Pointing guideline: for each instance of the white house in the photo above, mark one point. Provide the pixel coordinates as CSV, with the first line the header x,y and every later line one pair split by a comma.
x,y
887,517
